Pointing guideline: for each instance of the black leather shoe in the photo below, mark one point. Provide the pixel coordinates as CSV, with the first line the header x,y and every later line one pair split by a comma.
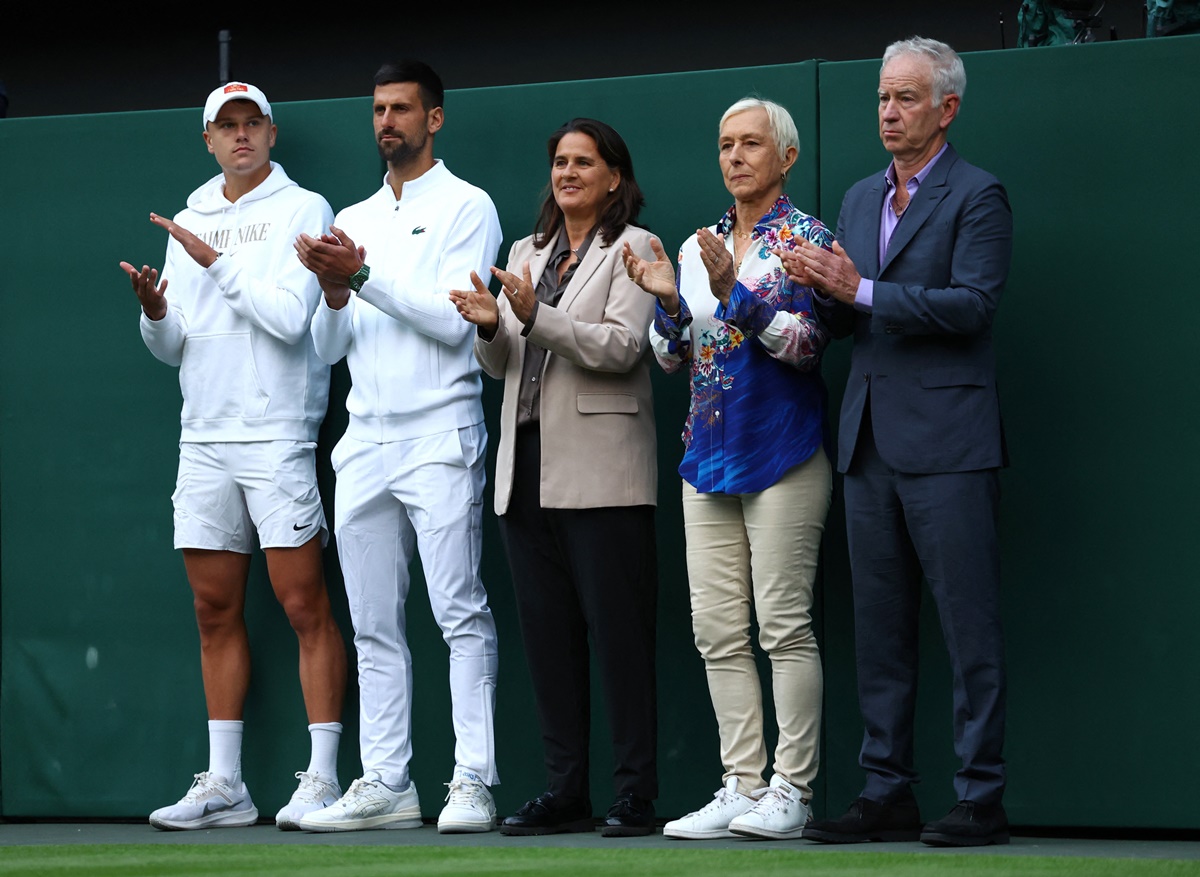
x,y
969,824
551,814
629,816
868,820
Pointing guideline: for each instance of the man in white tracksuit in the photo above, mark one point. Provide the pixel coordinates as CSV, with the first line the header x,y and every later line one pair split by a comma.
x,y
236,323
410,468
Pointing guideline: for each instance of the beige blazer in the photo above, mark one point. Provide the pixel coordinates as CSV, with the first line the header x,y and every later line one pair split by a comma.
x,y
597,408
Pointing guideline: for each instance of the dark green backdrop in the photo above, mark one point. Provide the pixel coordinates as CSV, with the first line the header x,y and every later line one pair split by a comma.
x,y
101,709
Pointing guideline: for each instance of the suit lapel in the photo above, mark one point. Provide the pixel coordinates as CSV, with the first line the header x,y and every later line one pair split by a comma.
x,y
869,245
929,194
537,264
541,256
591,261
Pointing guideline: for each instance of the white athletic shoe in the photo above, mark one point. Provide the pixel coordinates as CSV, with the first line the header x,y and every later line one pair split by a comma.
x,y
211,802
712,820
469,805
367,804
777,814
314,793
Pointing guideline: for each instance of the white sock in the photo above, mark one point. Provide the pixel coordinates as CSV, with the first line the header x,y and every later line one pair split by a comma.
x,y
325,738
225,749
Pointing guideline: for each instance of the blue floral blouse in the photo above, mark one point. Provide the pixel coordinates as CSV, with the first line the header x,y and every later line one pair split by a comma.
x,y
758,401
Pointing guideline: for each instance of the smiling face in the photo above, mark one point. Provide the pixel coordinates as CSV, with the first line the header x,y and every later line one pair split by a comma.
x,y
241,138
750,161
403,125
911,126
580,179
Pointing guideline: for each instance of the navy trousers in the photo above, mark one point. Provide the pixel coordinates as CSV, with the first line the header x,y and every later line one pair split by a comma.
x,y
941,527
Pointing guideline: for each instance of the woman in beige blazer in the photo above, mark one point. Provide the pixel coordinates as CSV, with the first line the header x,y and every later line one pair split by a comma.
x,y
576,474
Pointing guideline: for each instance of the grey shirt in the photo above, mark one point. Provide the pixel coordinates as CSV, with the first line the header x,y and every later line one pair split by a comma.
x,y
549,291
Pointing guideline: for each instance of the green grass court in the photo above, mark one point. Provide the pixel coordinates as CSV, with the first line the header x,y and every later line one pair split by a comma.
x,y
71,850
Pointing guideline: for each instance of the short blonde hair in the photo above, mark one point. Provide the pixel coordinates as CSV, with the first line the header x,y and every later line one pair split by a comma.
x,y
779,120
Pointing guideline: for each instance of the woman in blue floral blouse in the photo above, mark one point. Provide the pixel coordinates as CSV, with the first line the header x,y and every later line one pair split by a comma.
x,y
756,479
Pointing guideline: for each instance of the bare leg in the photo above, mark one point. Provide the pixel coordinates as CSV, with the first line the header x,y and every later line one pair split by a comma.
x,y
218,580
299,583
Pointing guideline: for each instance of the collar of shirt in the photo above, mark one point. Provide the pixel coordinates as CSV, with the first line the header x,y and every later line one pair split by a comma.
x,y
889,220
415,188
776,215
916,179
550,286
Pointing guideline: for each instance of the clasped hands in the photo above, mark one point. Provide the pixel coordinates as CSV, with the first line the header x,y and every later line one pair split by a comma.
x,y
828,272
334,258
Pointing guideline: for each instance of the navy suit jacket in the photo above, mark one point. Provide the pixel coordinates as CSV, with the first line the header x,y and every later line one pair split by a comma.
x,y
923,356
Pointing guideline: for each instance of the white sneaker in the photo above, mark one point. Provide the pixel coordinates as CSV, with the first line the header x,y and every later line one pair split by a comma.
x,y
712,820
211,802
314,793
469,805
778,813
367,804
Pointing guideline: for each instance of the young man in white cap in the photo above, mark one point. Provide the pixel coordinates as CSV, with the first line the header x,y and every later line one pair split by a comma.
x,y
236,322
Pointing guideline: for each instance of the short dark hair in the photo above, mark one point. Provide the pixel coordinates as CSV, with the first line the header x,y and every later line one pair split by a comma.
x,y
622,208
429,84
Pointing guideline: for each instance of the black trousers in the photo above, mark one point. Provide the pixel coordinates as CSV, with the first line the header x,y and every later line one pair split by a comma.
x,y
579,573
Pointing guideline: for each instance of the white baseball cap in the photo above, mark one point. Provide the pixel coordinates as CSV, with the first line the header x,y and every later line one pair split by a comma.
x,y
234,91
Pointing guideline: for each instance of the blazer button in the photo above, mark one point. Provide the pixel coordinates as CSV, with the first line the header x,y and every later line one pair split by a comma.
x,y
866,378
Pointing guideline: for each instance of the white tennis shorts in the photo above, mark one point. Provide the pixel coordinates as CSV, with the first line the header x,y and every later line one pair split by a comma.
x,y
228,490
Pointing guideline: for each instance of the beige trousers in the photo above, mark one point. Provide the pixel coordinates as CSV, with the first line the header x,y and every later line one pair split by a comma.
x,y
759,550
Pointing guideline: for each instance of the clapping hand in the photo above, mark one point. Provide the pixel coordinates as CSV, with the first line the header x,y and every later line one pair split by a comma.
x,y
478,306
718,261
657,277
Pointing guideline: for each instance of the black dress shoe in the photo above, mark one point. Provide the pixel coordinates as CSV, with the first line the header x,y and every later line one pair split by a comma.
x,y
551,814
969,824
868,820
629,816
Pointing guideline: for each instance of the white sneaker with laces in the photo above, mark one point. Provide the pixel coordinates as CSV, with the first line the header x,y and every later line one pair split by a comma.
x,y
712,820
211,802
777,814
315,792
367,804
469,805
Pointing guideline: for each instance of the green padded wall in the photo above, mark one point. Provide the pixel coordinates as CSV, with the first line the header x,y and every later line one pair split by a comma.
x,y
99,651
1095,145
100,658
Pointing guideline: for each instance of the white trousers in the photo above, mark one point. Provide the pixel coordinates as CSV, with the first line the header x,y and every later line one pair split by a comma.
x,y
758,552
426,494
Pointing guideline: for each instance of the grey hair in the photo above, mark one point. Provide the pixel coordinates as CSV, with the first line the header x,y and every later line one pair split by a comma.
x,y
949,75
779,120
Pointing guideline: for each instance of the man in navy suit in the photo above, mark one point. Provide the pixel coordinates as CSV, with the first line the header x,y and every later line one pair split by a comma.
x,y
921,259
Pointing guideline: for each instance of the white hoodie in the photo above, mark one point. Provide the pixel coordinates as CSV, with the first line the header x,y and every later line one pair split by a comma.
x,y
239,330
